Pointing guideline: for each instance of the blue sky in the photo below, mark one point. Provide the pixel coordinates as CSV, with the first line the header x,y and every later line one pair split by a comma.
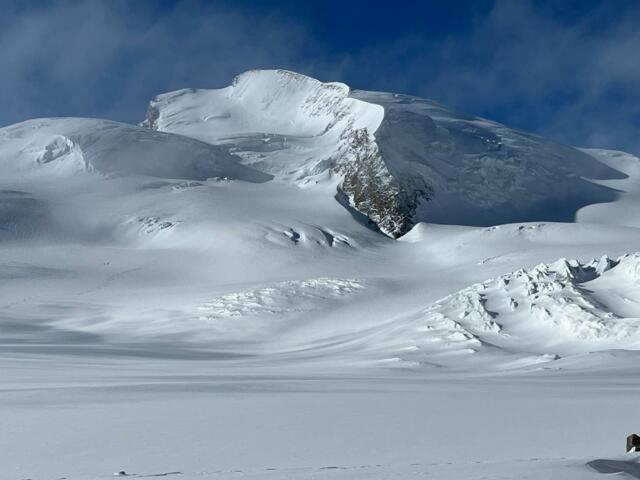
x,y
568,70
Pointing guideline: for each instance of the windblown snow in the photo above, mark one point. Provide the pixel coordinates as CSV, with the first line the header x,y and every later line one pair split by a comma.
x,y
285,278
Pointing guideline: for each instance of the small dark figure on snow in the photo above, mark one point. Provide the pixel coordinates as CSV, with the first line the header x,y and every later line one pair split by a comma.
x,y
633,443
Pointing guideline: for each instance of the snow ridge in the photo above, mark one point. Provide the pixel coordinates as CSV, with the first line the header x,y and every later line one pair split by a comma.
x,y
296,128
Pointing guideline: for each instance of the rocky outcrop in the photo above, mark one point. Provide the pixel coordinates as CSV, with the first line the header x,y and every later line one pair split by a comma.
x,y
151,118
372,190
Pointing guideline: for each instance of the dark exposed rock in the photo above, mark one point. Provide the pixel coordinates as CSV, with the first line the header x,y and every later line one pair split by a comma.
x,y
151,117
633,443
372,190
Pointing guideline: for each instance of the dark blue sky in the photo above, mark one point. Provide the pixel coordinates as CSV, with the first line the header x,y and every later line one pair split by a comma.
x,y
569,70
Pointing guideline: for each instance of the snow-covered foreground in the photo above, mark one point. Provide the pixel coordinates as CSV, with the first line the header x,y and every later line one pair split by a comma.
x,y
109,363
79,418
211,300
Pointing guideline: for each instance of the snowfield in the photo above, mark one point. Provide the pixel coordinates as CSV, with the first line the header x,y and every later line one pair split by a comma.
x,y
284,278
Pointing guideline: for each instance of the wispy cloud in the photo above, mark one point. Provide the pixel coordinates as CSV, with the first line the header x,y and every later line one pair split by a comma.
x,y
574,79
577,81
88,57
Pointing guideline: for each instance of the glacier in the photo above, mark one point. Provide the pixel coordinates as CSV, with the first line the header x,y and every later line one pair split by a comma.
x,y
286,278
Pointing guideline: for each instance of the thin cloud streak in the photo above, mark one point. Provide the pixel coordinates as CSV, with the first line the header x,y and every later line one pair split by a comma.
x,y
102,58
570,82
575,81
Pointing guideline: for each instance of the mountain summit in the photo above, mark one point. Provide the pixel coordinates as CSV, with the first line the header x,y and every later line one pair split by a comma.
x,y
396,159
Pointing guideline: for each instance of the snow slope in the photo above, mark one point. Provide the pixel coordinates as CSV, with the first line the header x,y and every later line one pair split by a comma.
x,y
65,146
626,208
482,172
192,298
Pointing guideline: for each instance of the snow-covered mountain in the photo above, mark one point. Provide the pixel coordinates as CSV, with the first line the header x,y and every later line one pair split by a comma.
x,y
398,159
257,196
285,256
